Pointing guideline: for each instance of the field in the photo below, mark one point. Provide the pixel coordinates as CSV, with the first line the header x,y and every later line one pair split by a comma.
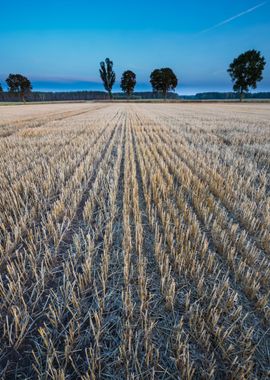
x,y
135,241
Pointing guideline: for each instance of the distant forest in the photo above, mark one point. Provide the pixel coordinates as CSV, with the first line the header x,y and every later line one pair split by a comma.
x,y
36,96
102,95
226,96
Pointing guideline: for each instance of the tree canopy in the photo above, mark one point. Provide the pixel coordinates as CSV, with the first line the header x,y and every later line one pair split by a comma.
x,y
18,83
246,70
1,88
163,80
128,82
107,75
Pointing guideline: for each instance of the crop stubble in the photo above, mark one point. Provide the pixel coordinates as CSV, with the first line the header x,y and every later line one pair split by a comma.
x,y
134,241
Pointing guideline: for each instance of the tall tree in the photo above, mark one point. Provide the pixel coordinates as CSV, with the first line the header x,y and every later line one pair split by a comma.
x,y
107,75
1,88
163,80
246,70
128,82
19,84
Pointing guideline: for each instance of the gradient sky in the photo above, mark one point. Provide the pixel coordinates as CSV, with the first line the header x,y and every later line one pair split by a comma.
x,y
59,44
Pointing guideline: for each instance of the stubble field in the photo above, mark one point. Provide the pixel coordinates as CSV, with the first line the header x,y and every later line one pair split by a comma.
x,y
135,241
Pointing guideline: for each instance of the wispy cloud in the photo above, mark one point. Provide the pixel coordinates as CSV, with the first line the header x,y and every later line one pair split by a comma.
x,y
234,17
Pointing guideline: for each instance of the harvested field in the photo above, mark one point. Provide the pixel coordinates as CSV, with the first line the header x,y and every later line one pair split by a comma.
x,y
135,241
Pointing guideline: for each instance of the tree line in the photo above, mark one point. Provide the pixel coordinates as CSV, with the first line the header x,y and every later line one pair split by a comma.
x,y
245,71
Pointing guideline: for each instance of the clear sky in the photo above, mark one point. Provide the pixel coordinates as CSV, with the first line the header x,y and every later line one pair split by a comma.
x,y
58,44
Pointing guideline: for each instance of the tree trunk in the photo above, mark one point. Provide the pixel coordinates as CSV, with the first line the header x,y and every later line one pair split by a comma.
x,y
110,95
241,95
22,97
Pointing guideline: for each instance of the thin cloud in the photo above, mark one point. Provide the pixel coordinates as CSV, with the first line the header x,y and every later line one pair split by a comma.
x,y
235,17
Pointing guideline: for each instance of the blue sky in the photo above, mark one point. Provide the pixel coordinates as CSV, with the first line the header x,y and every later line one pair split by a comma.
x,y
59,44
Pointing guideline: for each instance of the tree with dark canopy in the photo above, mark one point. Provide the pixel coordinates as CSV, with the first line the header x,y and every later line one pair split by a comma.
x,y
246,70
1,88
163,80
128,82
19,84
107,75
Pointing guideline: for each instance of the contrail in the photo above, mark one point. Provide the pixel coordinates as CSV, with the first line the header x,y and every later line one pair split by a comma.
x,y
234,17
